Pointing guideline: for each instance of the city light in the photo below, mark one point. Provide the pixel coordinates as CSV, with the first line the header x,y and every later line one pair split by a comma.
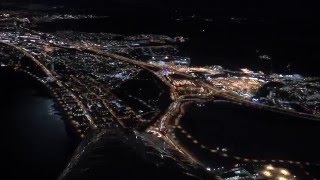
x,y
267,173
270,167
281,178
284,172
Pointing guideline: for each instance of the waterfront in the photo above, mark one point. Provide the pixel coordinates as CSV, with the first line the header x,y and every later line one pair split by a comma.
x,y
35,143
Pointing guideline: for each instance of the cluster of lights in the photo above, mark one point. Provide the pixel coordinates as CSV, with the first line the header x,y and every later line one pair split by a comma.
x,y
276,173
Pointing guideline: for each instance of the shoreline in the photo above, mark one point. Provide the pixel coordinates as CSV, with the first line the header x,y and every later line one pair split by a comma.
x,y
63,137
44,88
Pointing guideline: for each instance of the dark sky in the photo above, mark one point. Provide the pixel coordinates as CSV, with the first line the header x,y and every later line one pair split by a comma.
x,y
296,8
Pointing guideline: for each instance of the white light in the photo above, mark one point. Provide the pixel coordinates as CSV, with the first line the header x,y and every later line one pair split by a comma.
x,y
284,172
270,167
282,178
267,173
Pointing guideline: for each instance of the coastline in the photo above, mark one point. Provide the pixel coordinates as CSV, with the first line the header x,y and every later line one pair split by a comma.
x,y
71,130
40,144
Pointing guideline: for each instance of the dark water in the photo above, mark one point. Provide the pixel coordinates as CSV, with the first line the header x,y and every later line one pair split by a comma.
x,y
291,46
34,142
254,133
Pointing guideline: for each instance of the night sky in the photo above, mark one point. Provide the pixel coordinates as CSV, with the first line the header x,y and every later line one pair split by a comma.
x,y
269,7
